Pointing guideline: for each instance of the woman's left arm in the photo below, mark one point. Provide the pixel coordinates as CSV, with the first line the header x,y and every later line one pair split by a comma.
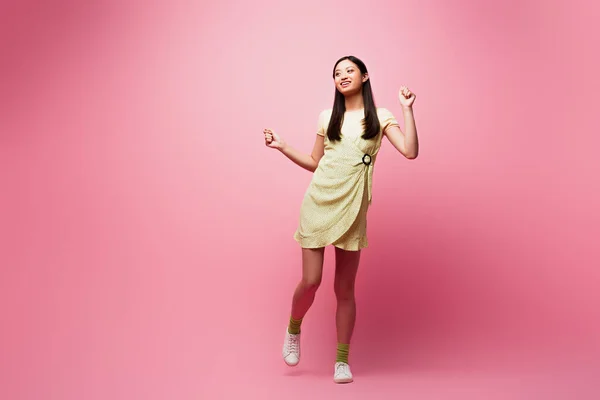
x,y
407,143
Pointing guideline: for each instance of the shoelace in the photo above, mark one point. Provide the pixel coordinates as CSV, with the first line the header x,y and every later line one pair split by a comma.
x,y
292,344
342,368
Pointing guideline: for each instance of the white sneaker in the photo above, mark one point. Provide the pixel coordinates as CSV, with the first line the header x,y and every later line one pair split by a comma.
x,y
342,373
291,348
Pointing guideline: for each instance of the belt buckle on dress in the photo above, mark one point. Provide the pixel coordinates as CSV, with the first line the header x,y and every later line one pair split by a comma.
x,y
368,159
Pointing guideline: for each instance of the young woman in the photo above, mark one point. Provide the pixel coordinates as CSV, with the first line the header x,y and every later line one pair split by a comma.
x,y
334,208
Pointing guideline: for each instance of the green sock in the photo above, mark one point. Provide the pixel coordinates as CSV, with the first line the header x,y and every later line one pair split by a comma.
x,y
294,327
342,353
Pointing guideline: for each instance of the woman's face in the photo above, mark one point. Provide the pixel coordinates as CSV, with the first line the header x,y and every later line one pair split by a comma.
x,y
348,79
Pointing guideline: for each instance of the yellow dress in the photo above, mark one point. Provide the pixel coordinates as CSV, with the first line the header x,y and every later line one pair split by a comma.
x,y
334,208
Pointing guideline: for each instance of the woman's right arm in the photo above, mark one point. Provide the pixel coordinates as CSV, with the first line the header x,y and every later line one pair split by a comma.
x,y
306,161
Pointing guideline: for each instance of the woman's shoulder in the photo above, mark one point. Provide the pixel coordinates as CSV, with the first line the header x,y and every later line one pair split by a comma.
x,y
385,115
386,118
325,116
326,112
382,111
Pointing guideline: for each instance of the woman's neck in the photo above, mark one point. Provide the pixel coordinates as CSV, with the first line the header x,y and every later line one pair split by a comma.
x,y
355,102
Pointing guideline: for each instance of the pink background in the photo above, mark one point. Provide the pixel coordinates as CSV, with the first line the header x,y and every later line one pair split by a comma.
x,y
146,231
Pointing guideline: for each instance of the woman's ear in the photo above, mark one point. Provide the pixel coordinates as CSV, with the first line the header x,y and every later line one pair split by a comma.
x,y
365,77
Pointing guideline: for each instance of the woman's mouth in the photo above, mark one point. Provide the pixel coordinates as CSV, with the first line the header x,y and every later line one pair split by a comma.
x,y
345,84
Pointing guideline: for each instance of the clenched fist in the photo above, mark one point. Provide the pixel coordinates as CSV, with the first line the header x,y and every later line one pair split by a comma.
x,y
407,98
272,139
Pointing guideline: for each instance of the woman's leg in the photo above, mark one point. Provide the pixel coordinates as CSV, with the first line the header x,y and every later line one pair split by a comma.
x,y
312,272
346,267
304,295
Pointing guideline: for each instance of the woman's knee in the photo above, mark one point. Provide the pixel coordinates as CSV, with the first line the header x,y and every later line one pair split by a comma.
x,y
312,268
311,282
344,291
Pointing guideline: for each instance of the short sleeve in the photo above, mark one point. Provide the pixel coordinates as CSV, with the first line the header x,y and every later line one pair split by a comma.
x,y
321,128
386,119
323,124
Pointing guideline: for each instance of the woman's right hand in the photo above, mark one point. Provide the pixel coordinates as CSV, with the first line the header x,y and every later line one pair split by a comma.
x,y
273,140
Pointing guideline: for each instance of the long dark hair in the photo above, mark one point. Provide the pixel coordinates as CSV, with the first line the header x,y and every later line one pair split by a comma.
x,y
370,123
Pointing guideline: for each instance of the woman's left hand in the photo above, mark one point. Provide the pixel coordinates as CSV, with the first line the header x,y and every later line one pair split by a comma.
x,y
407,98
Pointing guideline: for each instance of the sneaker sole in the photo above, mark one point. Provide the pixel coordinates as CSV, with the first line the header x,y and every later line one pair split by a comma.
x,y
289,364
345,380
